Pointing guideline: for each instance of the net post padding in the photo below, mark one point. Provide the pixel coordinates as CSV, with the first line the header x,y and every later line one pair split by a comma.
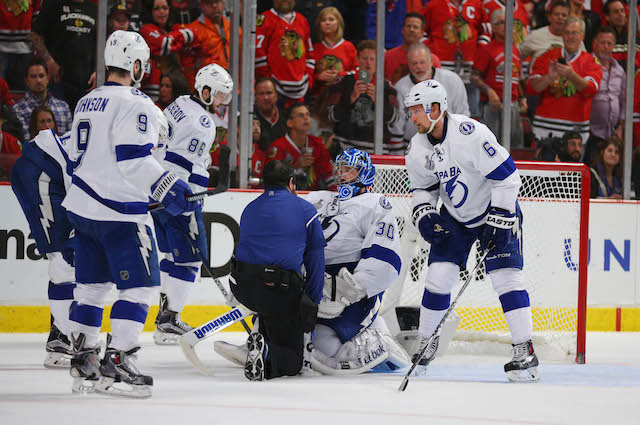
x,y
554,198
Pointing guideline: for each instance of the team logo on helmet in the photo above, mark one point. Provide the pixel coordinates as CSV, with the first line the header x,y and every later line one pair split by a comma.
x,y
205,121
467,128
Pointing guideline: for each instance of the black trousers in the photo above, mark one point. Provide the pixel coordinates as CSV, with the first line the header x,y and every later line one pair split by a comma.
x,y
278,305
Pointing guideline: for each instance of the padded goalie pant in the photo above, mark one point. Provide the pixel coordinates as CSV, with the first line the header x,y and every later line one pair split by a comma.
x,y
278,298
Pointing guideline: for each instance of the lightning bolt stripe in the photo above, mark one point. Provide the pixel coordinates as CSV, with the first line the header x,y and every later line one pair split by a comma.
x,y
145,245
45,204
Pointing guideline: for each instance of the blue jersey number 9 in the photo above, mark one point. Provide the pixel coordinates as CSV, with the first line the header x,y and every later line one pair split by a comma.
x,y
83,132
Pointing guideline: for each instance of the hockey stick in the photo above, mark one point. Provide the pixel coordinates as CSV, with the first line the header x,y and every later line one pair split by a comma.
x,y
223,181
405,381
189,340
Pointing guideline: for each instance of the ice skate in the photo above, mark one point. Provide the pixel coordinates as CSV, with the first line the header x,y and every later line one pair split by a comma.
x,y
428,356
85,366
120,376
169,328
524,365
254,368
236,354
58,350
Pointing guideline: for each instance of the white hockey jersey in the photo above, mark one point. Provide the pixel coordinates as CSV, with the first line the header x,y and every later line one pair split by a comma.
x,y
469,171
192,132
361,230
114,130
57,147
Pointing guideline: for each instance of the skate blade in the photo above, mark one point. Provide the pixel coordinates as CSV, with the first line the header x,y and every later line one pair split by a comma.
x,y
527,375
163,338
108,386
55,360
83,386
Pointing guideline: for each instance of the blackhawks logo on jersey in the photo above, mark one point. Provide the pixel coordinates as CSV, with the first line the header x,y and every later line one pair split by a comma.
x,y
457,31
291,45
259,20
17,7
519,32
330,63
562,87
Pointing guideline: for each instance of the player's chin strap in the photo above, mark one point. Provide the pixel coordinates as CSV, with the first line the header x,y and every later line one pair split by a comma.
x,y
433,123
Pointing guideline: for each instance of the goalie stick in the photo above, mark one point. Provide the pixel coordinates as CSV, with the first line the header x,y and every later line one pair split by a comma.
x,y
223,181
189,340
405,381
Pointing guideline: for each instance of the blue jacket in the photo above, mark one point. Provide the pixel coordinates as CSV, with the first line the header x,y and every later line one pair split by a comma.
x,y
281,229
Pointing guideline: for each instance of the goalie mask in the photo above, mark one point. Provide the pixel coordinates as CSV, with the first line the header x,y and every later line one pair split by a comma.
x,y
122,51
217,79
353,170
426,93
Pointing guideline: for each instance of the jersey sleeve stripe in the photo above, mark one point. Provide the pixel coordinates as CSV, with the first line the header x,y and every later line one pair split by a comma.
x,y
503,170
131,208
383,254
199,180
126,152
311,220
180,161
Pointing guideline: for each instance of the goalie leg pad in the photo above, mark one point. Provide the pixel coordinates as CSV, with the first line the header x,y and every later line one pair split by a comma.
x,y
236,354
354,318
398,356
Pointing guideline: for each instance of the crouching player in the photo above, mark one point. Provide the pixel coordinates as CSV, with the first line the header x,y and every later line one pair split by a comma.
x,y
362,260
39,179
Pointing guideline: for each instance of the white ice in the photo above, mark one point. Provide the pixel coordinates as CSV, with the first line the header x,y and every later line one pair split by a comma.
x,y
456,390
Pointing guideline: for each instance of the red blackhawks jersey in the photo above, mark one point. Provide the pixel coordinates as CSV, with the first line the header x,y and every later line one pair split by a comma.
x,y
452,28
284,52
561,106
321,172
520,18
161,43
489,60
341,57
15,25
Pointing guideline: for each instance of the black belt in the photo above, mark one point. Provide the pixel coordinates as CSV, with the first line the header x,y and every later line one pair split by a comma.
x,y
271,275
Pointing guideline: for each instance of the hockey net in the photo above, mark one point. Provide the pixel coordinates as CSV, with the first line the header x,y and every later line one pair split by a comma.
x,y
554,198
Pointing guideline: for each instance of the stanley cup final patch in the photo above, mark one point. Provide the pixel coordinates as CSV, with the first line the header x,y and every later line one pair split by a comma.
x,y
467,128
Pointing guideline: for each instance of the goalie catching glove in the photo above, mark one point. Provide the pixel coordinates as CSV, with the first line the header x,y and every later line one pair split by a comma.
x,y
339,292
499,228
172,192
430,224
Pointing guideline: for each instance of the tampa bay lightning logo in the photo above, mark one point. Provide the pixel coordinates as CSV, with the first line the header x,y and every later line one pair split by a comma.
x,y
328,229
384,203
467,128
451,186
205,121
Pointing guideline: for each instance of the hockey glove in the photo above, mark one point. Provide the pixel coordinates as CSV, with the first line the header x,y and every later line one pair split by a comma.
x,y
172,193
498,229
432,229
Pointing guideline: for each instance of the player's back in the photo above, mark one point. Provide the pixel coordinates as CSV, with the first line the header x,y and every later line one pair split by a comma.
x,y
190,139
112,124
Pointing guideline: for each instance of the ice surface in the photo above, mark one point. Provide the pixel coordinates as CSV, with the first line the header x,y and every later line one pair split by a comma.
x,y
457,389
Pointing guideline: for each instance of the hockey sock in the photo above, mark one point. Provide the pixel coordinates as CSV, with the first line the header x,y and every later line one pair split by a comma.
x,y
517,313
178,284
60,299
127,322
434,306
86,319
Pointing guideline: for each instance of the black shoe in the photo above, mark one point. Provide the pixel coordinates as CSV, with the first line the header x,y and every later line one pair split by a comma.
x,y
85,365
254,368
524,365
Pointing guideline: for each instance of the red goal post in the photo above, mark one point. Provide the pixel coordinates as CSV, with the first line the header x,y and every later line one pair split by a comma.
x,y
554,198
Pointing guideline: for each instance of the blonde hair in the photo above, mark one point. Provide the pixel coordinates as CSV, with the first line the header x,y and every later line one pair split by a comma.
x,y
336,13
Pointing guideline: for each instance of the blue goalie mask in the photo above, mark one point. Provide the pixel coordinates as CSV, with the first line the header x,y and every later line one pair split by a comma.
x,y
353,170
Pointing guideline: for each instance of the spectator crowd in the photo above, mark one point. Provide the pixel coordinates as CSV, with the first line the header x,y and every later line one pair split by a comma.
x,y
315,73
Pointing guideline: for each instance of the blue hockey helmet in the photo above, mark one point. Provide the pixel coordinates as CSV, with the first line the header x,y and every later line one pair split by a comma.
x,y
353,170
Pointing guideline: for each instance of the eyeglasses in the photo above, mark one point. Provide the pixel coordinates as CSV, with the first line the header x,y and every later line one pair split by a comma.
x,y
302,115
161,8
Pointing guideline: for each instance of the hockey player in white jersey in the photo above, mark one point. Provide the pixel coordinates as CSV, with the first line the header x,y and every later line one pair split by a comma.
x,y
362,260
40,179
457,160
191,136
114,130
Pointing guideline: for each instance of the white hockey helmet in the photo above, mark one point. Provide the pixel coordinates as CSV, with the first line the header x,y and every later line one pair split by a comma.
x,y
426,93
218,80
122,51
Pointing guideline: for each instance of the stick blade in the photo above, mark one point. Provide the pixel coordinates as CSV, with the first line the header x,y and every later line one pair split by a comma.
x,y
403,385
191,355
